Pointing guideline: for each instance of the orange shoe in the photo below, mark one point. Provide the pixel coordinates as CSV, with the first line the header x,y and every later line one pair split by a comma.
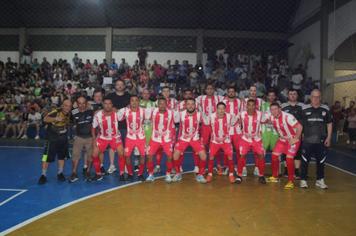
x,y
220,170
232,179
209,178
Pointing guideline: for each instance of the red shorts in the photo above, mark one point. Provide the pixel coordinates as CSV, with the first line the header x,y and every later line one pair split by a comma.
x,y
182,145
205,132
130,144
283,146
255,146
114,143
155,146
235,140
225,147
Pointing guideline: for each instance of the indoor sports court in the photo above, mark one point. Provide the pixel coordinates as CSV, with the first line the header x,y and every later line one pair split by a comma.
x,y
134,117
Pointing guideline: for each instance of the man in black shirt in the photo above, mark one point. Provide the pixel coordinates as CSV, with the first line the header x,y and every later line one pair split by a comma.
x,y
82,118
296,109
317,123
57,134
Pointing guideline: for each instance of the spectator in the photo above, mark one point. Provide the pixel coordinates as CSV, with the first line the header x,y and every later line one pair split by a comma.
x,y
352,128
13,122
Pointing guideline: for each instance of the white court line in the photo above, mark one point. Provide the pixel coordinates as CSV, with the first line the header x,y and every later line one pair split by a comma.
x,y
20,191
342,170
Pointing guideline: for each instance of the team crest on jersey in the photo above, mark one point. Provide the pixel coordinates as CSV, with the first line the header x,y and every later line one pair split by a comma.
x,y
133,126
190,130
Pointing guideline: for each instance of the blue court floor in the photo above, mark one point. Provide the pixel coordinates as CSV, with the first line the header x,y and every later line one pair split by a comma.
x,y
22,200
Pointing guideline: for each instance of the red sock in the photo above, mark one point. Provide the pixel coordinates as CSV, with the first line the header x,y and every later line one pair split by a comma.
x,y
290,167
275,165
231,166
159,157
240,165
169,167
176,164
129,167
261,166
141,169
202,165
150,167
210,166
196,159
96,163
122,165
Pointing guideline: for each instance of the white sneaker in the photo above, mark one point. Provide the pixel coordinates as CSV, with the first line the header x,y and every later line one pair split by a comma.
x,y
321,184
177,178
200,179
226,171
196,169
111,169
256,171
168,179
37,137
303,184
244,172
157,169
24,137
150,178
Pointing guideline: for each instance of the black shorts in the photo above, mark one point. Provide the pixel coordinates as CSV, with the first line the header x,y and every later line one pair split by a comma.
x,y
56,149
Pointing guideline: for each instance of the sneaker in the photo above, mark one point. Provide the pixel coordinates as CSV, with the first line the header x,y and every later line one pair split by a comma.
x,y
87,176
232,178
136,168
200,179
238,179
122,177
209,178
220,171
60,177
196,169
303,184
150,178
73,178
297,174
141,178
129,178
272,179
168,178
321,184
103,171
85,170
42,180
111,169
262,180
244,172
177,178
37,137
24,137
157,169
226,171
256,171
97,177
289,185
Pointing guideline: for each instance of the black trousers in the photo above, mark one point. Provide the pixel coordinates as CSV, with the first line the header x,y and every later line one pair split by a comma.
x,y
317,151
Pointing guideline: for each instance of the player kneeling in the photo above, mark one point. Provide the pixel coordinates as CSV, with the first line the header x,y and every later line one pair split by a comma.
x,y
190,120
289,131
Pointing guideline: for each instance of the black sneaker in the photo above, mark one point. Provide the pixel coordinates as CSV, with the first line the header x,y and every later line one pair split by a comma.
x,y
129,178
97,177
87,176
60,177
73,178
136,168
238,180
42,180
103,171
141,178
122,177
85,170
262,180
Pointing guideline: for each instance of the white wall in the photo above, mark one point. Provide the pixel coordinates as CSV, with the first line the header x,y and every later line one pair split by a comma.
x,y
307,38
51,55
161,57
306,9
14,55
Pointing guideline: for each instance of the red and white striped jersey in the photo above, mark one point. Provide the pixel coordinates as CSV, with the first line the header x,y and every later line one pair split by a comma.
x,y
220,128
233,108
162,124
134,121
259,103
251,125
189,126
285,125
207,105
107,125
172,104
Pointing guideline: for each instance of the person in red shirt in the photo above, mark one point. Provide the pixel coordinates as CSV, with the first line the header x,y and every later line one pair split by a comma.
x,y
289,131
190,120
251,121
105,122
